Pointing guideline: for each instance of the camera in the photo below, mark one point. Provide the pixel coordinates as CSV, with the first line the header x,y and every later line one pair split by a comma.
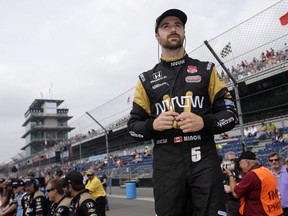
x,y
229,166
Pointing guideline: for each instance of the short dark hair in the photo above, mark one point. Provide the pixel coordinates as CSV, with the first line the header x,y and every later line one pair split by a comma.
x,y
272,154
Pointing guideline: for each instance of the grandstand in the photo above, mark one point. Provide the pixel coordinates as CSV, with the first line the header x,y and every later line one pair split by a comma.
x,y
263,91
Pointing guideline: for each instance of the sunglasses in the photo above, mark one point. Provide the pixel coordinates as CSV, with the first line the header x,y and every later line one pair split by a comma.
x,y
271,160
48,190
88,175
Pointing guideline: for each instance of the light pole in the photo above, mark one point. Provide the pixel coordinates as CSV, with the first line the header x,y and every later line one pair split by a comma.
x,y
80,152
107,145
80,148
39,164
240,114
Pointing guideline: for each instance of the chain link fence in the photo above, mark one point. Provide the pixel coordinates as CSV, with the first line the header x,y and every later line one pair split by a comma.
x,y
243,45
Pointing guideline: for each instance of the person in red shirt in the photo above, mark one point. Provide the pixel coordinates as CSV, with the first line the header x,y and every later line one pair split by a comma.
x,y
258,188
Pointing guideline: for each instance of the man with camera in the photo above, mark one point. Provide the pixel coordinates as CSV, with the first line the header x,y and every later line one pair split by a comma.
x,y
232,203
258,188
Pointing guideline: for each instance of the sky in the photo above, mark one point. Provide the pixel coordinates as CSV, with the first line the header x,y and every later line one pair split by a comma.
x,y
88,52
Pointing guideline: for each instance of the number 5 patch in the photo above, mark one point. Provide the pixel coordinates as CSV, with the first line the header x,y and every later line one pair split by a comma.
x,y
195,154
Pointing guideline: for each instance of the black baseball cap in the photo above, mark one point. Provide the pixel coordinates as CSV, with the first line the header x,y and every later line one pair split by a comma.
x,y
17,182
248,155
29,181
73,177
172,12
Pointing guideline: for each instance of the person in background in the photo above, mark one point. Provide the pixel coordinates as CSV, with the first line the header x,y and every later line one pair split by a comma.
x,y
104,181
224,136
232,203
180,104
147,152
85,178
82,203
281,173
262,132
257,190
59,174
12,210
247,132
253,130
6,195
31,174
25,201
37,204
19,190
271,130
60,205
97,191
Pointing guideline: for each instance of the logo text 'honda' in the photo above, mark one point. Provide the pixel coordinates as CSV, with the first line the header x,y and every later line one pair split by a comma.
x,y
157,75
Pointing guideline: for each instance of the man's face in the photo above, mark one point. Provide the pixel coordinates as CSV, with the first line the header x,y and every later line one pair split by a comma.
x,y
17,189
29,188
51,192
171,33
231,158
274,162
244,165
90,176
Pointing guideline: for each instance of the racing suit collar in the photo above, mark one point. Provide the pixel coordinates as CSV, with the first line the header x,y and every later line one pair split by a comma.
x,y
174,62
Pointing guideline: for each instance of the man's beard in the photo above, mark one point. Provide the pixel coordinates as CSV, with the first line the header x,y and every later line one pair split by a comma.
x,y
172,46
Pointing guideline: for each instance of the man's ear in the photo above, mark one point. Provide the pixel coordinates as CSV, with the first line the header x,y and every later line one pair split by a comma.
x,y
157,37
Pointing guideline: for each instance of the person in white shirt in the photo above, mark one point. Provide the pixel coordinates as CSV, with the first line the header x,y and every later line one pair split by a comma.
x,y
253,130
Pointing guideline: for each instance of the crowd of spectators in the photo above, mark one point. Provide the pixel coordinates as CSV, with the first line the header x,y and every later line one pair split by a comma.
x,y
91,133
266,60
266,131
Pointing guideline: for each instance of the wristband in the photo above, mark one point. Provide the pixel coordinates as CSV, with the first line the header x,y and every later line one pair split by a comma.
x,y
231,176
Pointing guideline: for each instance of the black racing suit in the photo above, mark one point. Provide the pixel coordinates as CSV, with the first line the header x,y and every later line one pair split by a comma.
x,y
83,204
37,204
187,172
61,208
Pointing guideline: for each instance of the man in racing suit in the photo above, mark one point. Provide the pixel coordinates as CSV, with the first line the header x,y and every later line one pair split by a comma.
x,y
180,104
